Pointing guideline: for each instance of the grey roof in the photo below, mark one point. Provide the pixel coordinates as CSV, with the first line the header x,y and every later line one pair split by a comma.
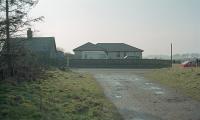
x,y
89,47
35,44
118,47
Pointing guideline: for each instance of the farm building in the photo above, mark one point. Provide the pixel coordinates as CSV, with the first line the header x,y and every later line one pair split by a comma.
x,y
107,51
44,46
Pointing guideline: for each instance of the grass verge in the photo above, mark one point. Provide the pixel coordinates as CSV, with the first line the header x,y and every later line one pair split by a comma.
x,y
185,80
58,96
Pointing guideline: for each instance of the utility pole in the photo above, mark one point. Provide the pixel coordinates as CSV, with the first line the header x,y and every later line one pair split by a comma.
x,y
8,53
68,62
171,55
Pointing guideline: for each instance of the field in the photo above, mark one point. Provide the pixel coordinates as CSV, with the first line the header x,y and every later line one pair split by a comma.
x,y
184,80
57,96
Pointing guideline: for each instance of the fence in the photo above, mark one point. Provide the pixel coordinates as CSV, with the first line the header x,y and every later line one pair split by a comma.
x,y
119,63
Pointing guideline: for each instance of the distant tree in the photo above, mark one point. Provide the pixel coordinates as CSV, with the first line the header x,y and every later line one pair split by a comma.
x,y
69,55
186,56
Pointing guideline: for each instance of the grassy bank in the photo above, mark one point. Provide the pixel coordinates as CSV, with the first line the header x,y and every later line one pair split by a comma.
x,y
58,96
185,80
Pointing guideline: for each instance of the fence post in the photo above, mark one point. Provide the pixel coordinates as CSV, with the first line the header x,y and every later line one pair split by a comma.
x,y
68,61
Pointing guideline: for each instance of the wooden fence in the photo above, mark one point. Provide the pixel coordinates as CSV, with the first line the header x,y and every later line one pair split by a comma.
x,y
119,63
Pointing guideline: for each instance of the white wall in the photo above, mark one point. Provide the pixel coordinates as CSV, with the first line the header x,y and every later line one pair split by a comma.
x,y
103,55
121,55
93,55
138,54
77,54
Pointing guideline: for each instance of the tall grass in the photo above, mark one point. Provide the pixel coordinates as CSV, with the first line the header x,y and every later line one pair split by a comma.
x,y
58,96
185,80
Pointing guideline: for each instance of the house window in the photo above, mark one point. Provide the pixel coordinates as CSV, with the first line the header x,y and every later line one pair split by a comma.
x,y
124,54
118,54
85,56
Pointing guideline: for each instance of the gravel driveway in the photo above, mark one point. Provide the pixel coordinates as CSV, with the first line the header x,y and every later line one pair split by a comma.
x,y
137,98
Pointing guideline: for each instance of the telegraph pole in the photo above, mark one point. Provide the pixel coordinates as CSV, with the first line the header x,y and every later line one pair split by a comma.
x,y
171,55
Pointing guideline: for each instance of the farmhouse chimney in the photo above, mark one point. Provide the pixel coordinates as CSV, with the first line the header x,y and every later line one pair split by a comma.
x,y
29,33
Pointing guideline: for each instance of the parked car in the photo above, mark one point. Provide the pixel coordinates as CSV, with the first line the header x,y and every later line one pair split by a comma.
x,y
188,64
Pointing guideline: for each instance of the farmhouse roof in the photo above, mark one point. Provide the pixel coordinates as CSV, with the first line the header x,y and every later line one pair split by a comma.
x,y
118,47
89,47
35,44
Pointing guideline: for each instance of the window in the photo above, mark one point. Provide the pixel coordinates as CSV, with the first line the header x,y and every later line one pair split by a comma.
x,y
118,54
85,56
124,54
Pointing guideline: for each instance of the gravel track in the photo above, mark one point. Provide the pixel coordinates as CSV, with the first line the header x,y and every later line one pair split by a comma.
x,y
137,98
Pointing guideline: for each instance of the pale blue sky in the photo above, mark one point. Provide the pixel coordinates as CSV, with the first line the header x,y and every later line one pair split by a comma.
x,y
147,24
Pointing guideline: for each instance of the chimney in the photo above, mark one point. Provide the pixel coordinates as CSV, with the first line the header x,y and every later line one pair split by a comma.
x,y
29,33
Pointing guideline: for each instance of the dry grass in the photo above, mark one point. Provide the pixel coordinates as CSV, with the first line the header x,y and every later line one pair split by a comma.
x,y
59,96
186,80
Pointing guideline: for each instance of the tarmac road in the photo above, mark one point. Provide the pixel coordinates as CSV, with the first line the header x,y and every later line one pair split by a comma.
x,y
137,98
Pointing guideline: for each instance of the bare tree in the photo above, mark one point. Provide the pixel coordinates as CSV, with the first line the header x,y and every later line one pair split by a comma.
x,y
19,20
13,24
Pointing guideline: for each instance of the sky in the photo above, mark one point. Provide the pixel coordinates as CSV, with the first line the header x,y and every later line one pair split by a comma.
x,y
151,25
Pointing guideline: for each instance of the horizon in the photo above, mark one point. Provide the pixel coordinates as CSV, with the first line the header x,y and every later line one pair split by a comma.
x,y
148,25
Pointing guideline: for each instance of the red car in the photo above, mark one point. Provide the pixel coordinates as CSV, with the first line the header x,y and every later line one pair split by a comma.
x,y
188,64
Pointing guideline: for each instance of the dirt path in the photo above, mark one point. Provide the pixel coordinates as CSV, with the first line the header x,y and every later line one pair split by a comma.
x,y
137,98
